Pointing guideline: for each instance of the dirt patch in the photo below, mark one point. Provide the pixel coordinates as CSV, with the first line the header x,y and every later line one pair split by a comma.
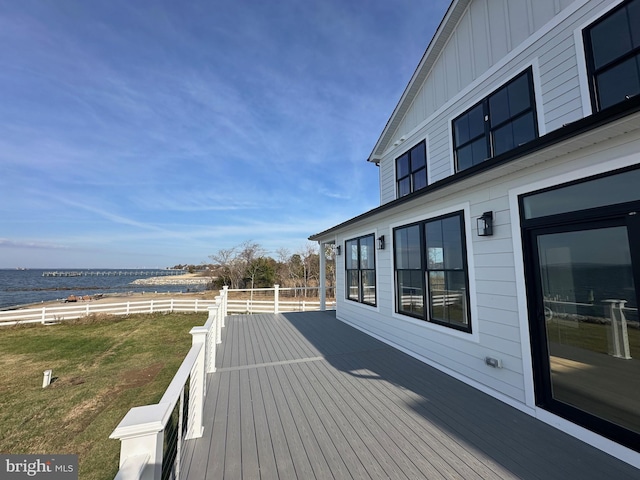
x,y
66,382
139,377
81,410
82,414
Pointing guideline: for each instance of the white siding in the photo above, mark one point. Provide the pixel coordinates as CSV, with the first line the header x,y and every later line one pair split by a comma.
x,y
485,34
498,323
476,61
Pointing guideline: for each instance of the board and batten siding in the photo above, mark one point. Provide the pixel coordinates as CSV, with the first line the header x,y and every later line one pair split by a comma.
x,y
499,323
549,47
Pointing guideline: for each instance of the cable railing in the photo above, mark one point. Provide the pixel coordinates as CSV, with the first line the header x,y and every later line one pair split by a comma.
x,y
151,436
612,314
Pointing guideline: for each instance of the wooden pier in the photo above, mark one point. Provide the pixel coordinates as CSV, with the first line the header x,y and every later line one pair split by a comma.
x,y
113,273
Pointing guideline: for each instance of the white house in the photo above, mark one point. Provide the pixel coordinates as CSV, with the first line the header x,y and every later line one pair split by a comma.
x,y
506,247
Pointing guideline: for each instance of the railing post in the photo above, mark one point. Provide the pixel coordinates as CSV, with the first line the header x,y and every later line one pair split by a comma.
x,y
322,290
617,334
225,299
212,339
195,425
276,298
44,314
218,320
128,307
141,432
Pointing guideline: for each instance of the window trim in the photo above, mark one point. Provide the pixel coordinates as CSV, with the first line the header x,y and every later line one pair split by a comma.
x,y
411,174
591,70
461,214
359,270
489,130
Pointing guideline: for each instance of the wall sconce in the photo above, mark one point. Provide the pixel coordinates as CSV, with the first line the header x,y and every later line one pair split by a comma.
x,y
381,242
338,250
485,224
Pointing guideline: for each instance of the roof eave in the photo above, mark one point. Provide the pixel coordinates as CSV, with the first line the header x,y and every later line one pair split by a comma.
x,y
628,111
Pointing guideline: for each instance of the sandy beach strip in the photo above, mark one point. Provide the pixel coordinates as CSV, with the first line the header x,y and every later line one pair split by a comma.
x,y
186,279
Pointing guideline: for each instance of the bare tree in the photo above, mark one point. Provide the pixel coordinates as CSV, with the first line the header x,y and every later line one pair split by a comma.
x,y
231,269
250,252
311,263
283,271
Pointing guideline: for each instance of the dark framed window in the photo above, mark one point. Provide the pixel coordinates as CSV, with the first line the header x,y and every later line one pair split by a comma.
x,y
411,170
501,122
612,49
431,271
361,270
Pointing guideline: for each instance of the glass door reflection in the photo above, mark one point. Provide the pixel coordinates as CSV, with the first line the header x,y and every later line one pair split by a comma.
x,y
591,321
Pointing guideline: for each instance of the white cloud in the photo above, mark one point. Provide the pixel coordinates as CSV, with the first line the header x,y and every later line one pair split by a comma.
x,y
134,127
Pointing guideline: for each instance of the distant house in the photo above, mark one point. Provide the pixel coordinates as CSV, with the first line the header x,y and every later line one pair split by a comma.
x,y
506,247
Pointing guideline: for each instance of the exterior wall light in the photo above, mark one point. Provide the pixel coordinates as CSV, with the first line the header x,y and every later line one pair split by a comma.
x,y
338,250
381,242
485,224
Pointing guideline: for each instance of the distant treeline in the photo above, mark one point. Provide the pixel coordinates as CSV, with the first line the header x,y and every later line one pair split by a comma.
x,y
248,266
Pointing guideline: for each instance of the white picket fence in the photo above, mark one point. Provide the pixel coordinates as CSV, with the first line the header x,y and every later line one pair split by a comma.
x,y
259,300
275,300
55,314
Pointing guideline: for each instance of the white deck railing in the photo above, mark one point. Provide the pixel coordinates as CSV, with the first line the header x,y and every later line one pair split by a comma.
x,y
151,436
260,300
54,314
275,300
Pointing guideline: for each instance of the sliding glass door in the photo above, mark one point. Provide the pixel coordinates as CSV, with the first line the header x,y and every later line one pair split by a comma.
x,y
582,280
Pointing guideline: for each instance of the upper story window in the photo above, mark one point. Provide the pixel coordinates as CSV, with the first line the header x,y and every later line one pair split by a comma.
x,y
411,170
361,269
431,270
501,122
613,55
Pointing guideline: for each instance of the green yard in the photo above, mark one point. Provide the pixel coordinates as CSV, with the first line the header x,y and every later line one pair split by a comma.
x,y
102,367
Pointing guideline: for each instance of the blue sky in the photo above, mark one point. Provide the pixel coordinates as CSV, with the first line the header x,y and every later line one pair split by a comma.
x,y
150,133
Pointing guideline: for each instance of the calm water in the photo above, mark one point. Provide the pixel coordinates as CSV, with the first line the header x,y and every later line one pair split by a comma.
x,y
20,287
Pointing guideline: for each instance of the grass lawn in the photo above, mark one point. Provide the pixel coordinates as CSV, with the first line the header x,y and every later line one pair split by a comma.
x,y
102,367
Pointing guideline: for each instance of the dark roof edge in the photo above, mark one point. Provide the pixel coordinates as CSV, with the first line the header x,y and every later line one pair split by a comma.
x,y
567,132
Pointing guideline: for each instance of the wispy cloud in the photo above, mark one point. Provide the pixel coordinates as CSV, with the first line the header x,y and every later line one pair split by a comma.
x,y
6,243
176,128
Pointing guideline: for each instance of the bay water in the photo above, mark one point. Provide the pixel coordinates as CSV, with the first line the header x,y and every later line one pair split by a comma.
x,y
22,287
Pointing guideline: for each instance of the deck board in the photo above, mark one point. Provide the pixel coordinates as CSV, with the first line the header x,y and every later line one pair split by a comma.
x,y
304,395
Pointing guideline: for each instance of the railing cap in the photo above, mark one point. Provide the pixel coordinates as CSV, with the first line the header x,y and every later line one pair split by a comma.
x,y
140,421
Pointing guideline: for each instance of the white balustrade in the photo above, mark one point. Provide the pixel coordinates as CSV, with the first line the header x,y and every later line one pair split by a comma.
x,y
142,430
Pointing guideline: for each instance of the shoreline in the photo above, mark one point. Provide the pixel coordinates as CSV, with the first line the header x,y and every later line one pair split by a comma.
x,y
186,280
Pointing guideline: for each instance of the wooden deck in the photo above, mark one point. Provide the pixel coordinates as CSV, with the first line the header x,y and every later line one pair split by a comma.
x,y
302,395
